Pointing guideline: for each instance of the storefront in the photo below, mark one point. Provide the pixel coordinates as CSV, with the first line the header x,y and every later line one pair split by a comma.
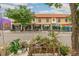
x,y
56,27
16,27
28,27
36,27
67,27
46,27
5,23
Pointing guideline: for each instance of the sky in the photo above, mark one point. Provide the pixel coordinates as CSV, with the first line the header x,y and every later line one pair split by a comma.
x,y
40,8
43,8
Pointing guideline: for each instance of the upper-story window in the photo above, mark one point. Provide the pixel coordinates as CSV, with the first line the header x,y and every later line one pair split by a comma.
x,y
58,20
53,19
33,20
39,20
47,20
66,20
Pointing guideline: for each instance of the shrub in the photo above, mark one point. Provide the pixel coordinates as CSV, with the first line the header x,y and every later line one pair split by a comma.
x,y
64,50
14,46
24,44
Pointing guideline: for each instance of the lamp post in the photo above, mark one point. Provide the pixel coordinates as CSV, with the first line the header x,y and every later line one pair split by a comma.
x,y
3,33
1,15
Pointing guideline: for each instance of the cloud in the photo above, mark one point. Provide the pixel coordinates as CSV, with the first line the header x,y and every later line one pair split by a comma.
x,y
45,11
31,7
40,8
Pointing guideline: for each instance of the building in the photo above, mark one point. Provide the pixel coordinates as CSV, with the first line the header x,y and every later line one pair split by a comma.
x,y
58,22
5,24
51,22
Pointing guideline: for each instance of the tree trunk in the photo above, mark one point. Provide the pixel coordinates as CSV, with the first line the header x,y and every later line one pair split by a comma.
x,y
74,37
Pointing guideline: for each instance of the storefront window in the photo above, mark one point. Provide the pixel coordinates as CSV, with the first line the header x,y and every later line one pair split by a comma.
x,y
39,20
57,28
67,28
46,27
58,20
6,26
47,20
37,27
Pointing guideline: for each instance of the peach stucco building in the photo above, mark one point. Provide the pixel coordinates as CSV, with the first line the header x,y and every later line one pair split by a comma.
x,y
50,22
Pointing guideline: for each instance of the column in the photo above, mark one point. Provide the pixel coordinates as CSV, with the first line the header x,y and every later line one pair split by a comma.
x,y
21,27
11,26
31,27
60,27
41,27
50,26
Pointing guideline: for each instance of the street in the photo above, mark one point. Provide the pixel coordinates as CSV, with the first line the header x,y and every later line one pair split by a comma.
x,y
64,37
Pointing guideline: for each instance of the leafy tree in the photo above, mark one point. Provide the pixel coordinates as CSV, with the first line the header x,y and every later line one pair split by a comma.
x,y
75,22
21,15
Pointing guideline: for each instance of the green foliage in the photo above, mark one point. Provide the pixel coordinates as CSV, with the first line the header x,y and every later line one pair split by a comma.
x,y
57,5
14,46
21,15
69,18
53,41
64,50
24,44
40,40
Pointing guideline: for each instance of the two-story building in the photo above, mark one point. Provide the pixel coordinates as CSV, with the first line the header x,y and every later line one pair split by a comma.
x,y
57,22
51,22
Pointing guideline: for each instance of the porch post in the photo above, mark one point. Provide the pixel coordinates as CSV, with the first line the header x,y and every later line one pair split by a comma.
x,y
21,27
11,28
41,27
31,27
50,26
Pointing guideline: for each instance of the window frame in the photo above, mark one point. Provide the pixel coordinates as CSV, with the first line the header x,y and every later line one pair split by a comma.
x,y
66,20
58,20
47,20
39,20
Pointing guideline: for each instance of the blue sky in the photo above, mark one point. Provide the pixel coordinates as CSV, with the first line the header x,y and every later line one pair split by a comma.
x,y
41,8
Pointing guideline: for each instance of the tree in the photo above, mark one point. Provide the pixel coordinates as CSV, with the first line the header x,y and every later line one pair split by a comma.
x,y
21,15
75,28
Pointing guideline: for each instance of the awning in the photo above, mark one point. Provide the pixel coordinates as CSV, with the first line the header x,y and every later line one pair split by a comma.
x,y
66,24
4,20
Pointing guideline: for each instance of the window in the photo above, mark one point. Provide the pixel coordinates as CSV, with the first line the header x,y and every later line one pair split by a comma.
x,y
39,20
33,20
58,20
66,20
53,19
47,20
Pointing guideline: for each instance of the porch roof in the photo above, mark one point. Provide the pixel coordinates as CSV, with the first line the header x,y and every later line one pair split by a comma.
x,y
52,15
